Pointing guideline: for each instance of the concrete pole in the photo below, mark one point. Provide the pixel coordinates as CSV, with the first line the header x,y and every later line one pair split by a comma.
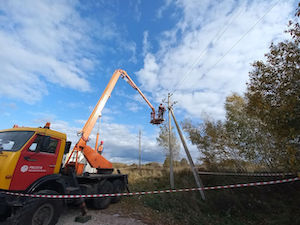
x,y
140,149
192,165
170,147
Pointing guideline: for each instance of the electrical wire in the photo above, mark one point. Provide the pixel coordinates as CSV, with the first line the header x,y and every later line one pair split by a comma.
x,y
216,38
223,56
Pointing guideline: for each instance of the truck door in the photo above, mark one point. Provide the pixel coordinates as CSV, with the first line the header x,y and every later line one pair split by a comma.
x,y
37,160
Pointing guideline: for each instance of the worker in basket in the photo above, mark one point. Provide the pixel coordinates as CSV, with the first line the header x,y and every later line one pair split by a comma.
x,y
161,110
100,148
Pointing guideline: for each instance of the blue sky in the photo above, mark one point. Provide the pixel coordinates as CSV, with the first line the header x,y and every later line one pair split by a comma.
x,y
57,57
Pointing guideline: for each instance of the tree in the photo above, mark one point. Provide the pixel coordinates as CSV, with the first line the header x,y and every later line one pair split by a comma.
x,y
209,137
183,162
166,163
163,141
247,136
273,95
238,139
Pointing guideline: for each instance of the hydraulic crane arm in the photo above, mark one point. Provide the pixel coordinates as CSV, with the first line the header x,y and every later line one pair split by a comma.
x,y
132,84
91,155
90,123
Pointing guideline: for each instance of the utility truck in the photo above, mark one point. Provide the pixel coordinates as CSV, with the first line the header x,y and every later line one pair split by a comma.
x,y
31,162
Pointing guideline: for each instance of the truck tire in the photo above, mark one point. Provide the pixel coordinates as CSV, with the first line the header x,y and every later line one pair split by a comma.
x,y
119,187
5,213
38,211
103,188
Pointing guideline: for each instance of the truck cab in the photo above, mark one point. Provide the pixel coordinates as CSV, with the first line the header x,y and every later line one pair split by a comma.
x,y
28,154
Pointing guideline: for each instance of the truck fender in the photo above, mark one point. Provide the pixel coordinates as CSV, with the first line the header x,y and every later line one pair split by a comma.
x,y
53,182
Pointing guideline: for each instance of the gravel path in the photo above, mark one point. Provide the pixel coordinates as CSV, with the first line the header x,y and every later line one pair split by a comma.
x,y
99,217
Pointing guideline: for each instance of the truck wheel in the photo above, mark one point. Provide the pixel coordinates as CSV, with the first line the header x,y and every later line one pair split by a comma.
x,y
5,213
103,202
118,188
38,211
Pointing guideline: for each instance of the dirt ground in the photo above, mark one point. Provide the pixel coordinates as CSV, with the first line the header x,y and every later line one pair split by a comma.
x,y
129,211
116,214
120,213
99,217
126,212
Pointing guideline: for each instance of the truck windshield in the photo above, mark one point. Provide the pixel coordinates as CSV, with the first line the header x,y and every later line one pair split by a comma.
x,y
14,140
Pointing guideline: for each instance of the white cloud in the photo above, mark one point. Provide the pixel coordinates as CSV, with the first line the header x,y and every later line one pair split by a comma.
x,y
129,47
42,118
81,122
188,59
146,43
148,76
132,106
44,41
161,10
136,8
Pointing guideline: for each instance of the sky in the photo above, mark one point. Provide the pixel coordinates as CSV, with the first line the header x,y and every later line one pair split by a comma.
x,y
56,58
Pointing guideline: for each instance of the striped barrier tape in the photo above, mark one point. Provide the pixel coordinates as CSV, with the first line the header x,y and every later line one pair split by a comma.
x,y
247,174
156,192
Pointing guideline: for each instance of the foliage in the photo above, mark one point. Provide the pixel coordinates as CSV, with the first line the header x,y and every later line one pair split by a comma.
x,y
264,126
153,165
166,163
209,138
183,162
163,141
273,96
247,135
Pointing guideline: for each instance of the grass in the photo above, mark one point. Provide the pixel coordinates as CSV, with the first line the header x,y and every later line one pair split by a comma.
x,y
265,205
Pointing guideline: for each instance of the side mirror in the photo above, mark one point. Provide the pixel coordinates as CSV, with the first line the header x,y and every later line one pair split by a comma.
x,y
67,147
44,142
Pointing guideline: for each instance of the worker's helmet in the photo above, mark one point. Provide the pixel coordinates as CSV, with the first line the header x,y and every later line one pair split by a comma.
x,y
101,143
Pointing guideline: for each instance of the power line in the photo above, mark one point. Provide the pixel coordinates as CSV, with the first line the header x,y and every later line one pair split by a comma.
x,y
242,37
218,35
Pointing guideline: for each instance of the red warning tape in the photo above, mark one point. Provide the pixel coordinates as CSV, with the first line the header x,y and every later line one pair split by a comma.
x,y
247,174
156,192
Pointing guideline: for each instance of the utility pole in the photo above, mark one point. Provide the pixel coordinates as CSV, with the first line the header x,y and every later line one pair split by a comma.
x,y
192,165
140,148
170,146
